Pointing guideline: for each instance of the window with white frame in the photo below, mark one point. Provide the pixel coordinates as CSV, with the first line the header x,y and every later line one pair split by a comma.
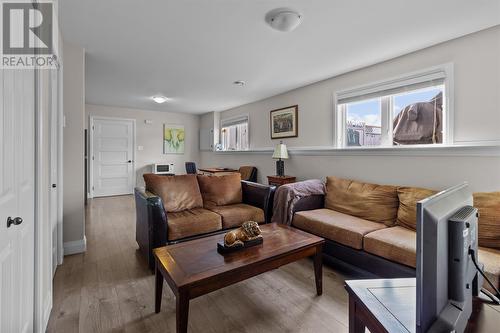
x,y
234,133
412,110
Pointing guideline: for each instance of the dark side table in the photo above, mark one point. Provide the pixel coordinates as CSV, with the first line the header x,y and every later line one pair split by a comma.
x,y
280,180
389,305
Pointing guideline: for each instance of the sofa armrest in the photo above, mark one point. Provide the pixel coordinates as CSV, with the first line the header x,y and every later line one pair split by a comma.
x,y
260,196
315,201
151,223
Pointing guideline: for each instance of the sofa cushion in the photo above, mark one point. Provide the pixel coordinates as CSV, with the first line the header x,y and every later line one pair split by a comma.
x,y
377,203
342,228
220,190
192,222
407,211
491,260
488,205
178,193
396,244
234,215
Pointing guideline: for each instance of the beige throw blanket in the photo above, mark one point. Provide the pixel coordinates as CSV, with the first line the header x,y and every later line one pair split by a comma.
x,y
287,195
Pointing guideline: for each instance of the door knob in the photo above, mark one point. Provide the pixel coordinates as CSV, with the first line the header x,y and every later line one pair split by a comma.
x,y
129,161
14,221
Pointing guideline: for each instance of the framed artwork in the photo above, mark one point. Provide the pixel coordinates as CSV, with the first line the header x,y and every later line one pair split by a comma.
x,y
173,139
284,122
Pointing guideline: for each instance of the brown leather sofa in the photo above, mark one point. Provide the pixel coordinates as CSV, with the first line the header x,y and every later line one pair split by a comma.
x,y
173,209
370,229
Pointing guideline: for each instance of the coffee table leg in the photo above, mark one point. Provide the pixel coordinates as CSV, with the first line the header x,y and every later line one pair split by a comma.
x,y
158,289
355,323
182,312
318,269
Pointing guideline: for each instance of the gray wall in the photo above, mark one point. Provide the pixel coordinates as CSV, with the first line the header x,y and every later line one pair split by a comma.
x,y
476,60
74,112
150,136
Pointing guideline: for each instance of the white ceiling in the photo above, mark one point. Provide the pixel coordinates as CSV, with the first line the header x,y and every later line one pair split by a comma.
x,y
192,51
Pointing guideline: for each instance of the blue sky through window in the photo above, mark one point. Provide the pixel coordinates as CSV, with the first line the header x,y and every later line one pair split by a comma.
x,y
369,111
365,111
403,100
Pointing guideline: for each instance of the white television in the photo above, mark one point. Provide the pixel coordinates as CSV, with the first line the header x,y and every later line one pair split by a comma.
x,y
447,278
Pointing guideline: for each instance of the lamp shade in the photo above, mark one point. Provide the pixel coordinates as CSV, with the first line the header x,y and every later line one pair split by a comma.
x,y
280,151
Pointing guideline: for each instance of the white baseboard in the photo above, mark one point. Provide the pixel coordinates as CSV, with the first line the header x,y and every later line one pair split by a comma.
x,y
74,247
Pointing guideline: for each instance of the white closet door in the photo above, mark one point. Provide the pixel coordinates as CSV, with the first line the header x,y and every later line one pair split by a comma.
x,y
17,114
53,109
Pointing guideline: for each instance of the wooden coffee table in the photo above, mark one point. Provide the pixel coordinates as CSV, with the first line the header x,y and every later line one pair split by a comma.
x,y
195,268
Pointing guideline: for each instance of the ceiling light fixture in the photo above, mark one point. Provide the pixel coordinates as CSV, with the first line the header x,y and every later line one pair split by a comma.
x,y
239,83
283,19
160,99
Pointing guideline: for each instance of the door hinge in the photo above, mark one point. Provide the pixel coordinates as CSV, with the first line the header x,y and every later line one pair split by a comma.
x,y
92,158
93,128
92,188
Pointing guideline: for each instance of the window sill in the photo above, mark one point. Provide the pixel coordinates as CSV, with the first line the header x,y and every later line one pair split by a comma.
x,y
231,151
458,149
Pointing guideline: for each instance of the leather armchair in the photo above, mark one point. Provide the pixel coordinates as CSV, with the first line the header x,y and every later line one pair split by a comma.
x,y
152,220
151,229
260,196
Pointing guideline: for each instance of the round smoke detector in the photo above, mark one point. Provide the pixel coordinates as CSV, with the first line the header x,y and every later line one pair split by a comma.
x,y
283,19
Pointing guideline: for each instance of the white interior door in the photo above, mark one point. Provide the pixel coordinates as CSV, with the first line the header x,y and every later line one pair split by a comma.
x,y
54,164
112,156
17,193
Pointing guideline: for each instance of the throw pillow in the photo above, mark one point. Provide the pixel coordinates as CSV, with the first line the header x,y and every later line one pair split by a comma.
x,y
178,193
407,211
488,205
220,190
378,203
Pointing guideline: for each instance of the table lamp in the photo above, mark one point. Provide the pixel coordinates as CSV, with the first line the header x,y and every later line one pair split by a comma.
x,y
280,153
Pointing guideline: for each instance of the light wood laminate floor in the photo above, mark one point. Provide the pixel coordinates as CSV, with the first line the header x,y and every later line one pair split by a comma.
x,y
110,289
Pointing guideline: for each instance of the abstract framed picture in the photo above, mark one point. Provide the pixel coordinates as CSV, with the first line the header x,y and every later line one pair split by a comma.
x,y
174,138
285,122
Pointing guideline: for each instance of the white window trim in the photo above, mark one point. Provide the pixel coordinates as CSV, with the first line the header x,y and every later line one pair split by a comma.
x,y
241,117
339,120
225,121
